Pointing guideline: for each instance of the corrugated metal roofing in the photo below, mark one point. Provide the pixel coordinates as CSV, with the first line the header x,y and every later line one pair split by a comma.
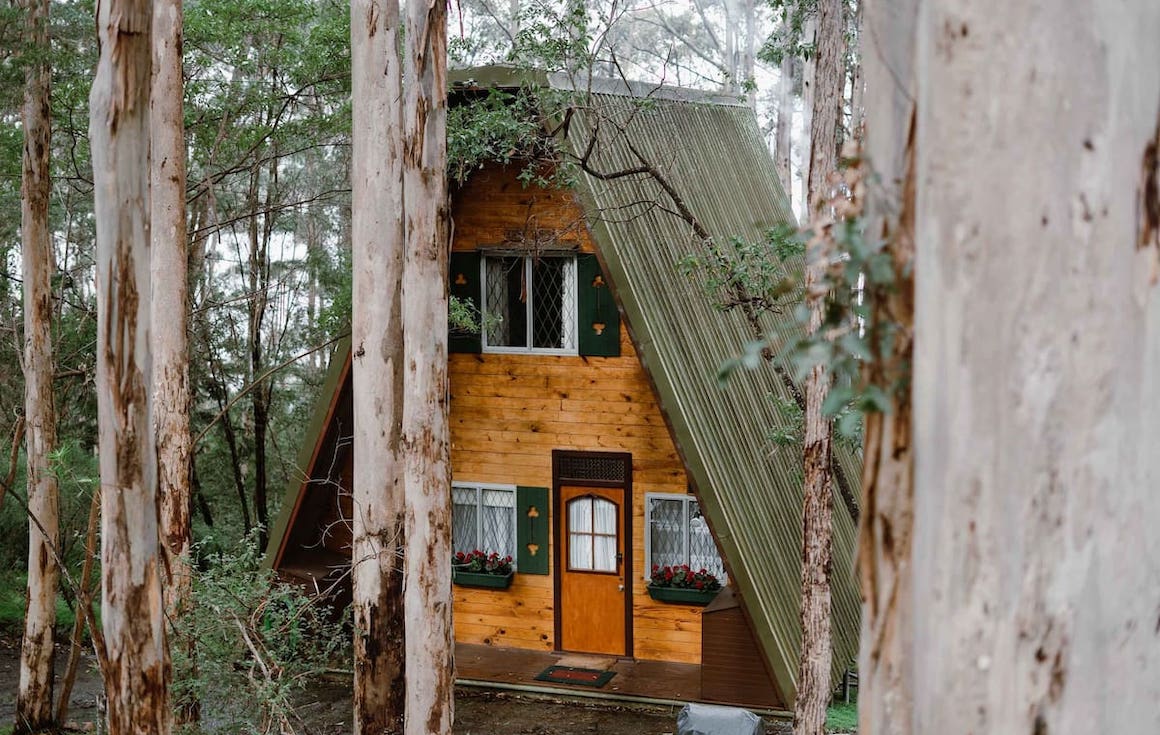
x,y
751,492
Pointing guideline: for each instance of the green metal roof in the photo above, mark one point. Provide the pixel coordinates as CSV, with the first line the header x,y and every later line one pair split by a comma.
x,y
751,491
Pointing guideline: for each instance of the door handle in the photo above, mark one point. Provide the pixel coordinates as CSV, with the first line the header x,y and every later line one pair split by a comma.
x,y
620,587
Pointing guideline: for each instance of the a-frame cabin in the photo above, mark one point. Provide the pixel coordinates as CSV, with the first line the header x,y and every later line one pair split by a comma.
x,y
590,437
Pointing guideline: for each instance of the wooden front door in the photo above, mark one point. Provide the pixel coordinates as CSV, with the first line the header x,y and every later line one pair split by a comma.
x,y
593,600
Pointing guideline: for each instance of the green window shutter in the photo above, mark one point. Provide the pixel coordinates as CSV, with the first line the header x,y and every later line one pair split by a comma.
x,y
464,284
532,526
599,319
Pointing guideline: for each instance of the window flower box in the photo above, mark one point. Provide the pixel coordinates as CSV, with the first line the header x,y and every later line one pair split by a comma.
x,y
681,596
682,586
482,579
479,569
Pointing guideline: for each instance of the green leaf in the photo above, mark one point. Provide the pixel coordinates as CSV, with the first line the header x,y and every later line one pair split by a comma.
x,y
837,399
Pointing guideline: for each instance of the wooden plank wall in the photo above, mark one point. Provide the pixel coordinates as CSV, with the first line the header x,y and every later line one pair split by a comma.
x,y
508,412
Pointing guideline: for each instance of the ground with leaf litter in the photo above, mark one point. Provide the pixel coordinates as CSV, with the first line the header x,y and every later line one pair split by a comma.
x,y
325,708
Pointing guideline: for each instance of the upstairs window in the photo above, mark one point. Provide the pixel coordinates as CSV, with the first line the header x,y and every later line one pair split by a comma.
x,y
586,322
484,517
529,303
678,534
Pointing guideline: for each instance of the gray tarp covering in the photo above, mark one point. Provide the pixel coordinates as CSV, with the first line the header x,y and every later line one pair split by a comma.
x,y
710,719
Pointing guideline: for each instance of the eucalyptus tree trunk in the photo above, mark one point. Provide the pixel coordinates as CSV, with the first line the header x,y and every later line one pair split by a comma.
x,y
430,660
132,609
816,661
216,386
783,133
513,29
885,679
749,53
170,302
1037,368
857,75
169,257
377,370
732,59
258,280
34,695
809,71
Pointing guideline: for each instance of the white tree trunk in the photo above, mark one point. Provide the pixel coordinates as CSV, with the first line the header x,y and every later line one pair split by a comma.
x,y
857,75
430,659
1037,368
809,66
132,609
885,683
170,314
170,300
814,672
749,53
34,696
732,60
783,133
377,336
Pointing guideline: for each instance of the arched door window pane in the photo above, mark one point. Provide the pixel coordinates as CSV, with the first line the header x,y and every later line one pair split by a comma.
x,y
592,534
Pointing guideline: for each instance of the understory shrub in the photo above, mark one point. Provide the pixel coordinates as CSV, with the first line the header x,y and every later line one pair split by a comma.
x,y
257,643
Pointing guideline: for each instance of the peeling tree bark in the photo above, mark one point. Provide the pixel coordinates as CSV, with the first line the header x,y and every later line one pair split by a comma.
x,y
136,669
857,75
377,337
809,72
1036,370
885,682
169,256
34,695
430,659
816,661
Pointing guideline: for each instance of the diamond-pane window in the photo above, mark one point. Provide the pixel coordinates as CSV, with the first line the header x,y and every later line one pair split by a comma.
x,y
678,534
484,517
529,303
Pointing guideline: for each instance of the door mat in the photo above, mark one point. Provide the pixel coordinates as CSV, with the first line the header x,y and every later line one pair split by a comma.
x,y
573,675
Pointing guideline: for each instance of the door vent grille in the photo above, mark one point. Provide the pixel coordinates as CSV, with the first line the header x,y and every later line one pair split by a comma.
x,y
591,467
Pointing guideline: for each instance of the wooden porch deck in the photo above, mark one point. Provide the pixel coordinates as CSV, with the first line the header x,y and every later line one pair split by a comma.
x,y
647,681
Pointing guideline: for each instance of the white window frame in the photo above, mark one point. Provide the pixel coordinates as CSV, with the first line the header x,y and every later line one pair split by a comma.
x,y
573,312
479,487
686,499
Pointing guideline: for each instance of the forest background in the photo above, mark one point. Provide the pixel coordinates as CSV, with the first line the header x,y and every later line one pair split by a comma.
x,y
267,124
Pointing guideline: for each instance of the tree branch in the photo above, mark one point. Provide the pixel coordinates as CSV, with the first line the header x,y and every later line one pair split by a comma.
x,y
259,380
13,457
